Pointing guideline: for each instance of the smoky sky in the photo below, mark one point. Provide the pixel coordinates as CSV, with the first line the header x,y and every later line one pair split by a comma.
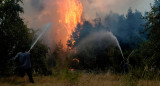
x,y
94,8
91,8
37,13
37,5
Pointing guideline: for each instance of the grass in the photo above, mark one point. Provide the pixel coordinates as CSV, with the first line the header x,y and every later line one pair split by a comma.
x,y
83,79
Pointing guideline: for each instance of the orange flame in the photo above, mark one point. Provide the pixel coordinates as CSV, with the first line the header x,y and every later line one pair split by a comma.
x,y
70,13
77,60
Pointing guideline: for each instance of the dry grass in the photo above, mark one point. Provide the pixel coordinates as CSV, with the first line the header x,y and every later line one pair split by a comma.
x,y
84,79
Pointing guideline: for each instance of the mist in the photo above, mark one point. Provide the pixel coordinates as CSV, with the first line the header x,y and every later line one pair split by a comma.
x,y
101,39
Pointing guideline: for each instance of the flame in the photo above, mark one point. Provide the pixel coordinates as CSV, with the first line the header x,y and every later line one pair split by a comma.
x,y
72,69
70,13
76,60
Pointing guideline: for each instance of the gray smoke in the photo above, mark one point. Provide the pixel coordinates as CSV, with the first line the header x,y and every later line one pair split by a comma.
x,y
99,8
40,35
37,5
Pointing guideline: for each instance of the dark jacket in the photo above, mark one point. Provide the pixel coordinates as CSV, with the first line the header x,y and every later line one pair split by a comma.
x,y
23,59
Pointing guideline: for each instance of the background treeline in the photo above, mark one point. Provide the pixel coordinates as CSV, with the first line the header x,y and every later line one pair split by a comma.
x,y
138,36
128,30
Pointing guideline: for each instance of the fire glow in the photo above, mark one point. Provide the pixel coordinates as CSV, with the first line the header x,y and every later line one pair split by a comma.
x,y
70,13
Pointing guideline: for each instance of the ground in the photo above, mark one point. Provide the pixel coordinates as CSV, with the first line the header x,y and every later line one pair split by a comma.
x,y
84,79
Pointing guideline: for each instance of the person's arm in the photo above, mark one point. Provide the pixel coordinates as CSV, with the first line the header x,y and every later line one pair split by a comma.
x,y
16,57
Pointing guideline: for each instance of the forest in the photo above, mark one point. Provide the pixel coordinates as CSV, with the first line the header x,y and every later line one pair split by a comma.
x,y
102,46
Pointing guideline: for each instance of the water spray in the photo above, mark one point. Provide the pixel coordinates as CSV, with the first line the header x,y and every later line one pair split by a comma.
x,y
43,31
117,42
100,36
120,50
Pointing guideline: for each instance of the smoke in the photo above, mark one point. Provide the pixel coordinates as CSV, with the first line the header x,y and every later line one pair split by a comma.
x,y
37,5
39,12
44,30
126,28
99,8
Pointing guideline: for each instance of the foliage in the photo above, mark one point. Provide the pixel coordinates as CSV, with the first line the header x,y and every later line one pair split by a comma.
x,y
150,49
38,59
153,26
13,32
145,58
127,29
13,35
63,60
95,58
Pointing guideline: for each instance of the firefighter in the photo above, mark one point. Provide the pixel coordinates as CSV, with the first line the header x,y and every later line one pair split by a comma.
x,y
125,67
23,64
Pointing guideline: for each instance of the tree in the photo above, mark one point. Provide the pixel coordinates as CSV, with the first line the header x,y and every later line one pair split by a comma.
x,y
13,35
38,59
153,28
13,32
126,28
80,33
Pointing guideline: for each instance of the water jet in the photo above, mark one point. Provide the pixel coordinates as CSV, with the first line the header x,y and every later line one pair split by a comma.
x,y
43,31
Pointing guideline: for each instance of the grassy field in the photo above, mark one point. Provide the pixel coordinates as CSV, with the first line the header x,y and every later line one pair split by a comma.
x,y
83,79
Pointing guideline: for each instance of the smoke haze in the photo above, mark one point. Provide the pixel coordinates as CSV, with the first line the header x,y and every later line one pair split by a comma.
x,y
39,12
94,8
